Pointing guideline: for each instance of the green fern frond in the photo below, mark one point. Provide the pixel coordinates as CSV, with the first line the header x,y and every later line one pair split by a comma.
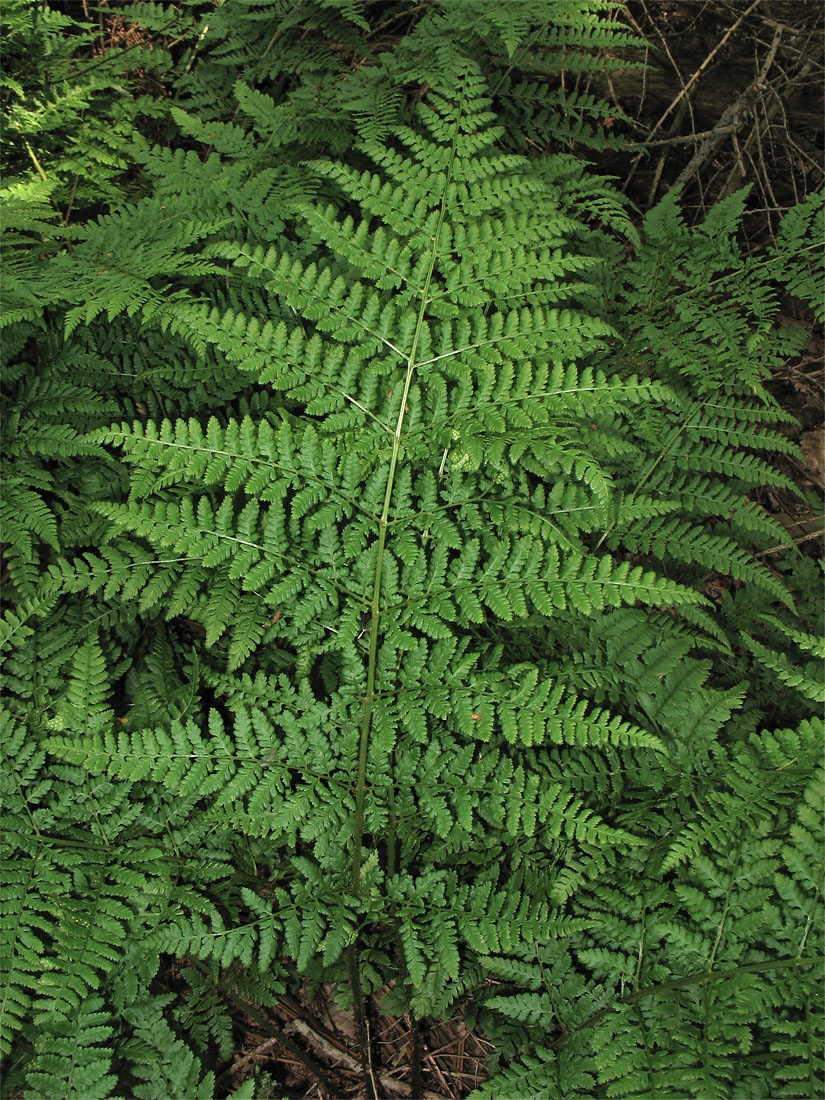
x,y
366,496
808,679
72,1062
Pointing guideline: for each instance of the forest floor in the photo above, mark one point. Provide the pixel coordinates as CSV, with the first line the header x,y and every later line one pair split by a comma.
x,y
706,59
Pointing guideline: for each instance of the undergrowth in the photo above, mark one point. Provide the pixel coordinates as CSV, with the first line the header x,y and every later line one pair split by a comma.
x,y
364,477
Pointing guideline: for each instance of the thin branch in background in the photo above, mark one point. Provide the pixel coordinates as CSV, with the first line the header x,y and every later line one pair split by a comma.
x,y
660,167
735,115
681,139
67,215
643,36
757,132
790,545
687,87
672,60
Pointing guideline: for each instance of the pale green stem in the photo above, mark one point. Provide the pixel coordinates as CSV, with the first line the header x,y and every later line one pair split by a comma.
x,y
383,525
37,163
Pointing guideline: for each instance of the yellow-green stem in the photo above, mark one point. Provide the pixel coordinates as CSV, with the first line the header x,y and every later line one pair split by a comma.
x,y
383,525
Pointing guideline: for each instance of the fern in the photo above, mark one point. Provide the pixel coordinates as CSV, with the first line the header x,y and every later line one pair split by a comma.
x,y
71,99
671,964
72,1063
362,512
808,680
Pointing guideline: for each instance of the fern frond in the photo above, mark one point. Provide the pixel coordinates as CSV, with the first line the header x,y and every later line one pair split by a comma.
x,y
366,493
807,680
72,1063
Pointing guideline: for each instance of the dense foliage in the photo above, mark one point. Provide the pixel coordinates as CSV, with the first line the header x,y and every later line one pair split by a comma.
x,y
364,477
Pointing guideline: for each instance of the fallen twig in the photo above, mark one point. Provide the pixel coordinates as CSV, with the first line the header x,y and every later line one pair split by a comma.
x,y
686,87
390,1086
680,139
733,118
